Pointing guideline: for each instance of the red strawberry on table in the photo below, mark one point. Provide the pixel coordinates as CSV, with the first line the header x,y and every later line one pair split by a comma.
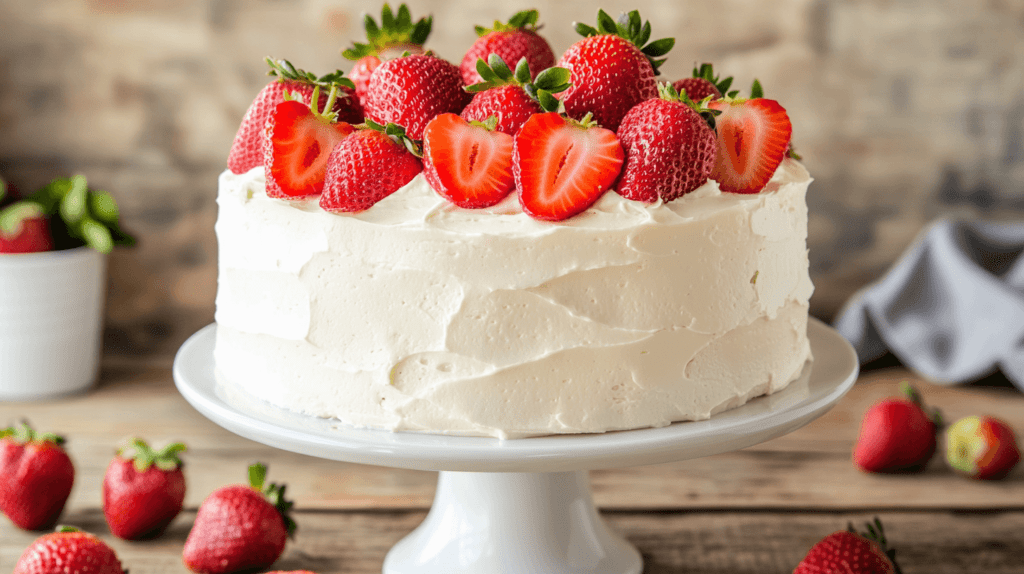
x,y
753,137
298,142
511,41
704,83
849,552
512,97
368,166
24,228
68,551
240,527
394,35
247,149
412,90
563,166
143,490
981,447
36,476
670,148
613,68
896,435
469,164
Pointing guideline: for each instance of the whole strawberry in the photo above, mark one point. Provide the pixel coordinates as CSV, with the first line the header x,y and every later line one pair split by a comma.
x,y
368,166
68,551
394,35
670,147
981,447
143,490
36,476
613,68
240,527
896,435
24,228
247,148
850,552
512,97
412,90
704,83
511,41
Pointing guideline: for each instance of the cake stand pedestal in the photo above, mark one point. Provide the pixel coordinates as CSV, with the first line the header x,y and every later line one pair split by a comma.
x,y
518,506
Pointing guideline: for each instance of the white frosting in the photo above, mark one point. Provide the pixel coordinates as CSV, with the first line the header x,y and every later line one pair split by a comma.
x,y
419,315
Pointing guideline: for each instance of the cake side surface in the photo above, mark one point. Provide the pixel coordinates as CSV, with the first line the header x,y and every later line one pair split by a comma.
x,y
419,315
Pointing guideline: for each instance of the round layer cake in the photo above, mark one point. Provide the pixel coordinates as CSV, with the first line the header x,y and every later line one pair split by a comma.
x,y
418,315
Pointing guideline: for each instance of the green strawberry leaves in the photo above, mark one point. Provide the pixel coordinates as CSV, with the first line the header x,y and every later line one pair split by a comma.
x,y
274,494
875,533
24,434
90,217
393,30
630,27
667,91
397,133
285,70
144,457
495,73
756,91
707,72
524,20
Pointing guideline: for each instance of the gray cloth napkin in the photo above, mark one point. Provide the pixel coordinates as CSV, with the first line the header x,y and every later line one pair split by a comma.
x,y
951,308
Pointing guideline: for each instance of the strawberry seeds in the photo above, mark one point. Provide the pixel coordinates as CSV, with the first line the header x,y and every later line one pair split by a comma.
x,y
506,119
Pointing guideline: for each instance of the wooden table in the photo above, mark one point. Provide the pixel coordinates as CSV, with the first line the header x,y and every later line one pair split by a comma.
x,y
757,510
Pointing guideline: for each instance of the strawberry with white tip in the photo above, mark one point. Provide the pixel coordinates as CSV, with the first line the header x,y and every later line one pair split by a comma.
x,y
510,41
298,142
247,148
753,138
512,97
613,68
670,147
562,166
395,34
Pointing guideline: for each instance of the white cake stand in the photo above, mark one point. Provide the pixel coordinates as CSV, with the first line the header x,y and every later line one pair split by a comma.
x,y
518,506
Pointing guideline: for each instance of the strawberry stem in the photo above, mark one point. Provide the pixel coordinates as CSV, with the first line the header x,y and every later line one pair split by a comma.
x,y
25,434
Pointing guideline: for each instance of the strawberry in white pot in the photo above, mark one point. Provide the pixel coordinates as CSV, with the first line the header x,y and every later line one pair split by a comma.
x,y
52,274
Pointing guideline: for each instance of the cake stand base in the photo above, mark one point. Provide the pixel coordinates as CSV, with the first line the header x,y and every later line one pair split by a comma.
x,y
514,523
518,506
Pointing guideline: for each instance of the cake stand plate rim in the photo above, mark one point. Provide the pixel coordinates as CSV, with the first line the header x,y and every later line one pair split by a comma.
x,y
823,383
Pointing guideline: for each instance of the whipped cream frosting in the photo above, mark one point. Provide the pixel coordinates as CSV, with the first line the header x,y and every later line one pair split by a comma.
x,y
419,315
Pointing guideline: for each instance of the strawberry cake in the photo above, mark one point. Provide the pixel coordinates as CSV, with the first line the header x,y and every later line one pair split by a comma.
x,y
511,248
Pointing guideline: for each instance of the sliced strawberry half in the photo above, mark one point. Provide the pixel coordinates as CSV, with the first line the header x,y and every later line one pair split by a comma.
x,y
753,136
561,166
469,164
299,141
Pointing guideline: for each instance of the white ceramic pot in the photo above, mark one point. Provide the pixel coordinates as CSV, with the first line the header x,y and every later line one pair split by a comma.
x,y
51,315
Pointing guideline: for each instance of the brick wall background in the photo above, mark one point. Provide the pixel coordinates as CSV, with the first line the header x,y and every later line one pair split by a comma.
x,y
904,110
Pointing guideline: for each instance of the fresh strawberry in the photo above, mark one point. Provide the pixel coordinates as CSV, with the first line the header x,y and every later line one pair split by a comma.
x,y
412,90
468,164
512,97
753,136
68,551
240,527
35,477
511,41
24,228
849,552
247,149
704,83
982,447
562,166
143,490
896,435
394,35
612,68
299,141
368,166
670,147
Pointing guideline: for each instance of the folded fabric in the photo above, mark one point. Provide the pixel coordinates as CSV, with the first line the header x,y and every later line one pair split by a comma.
x,y
951,308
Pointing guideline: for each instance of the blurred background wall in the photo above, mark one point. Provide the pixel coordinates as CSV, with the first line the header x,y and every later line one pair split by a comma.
x,y
904,111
